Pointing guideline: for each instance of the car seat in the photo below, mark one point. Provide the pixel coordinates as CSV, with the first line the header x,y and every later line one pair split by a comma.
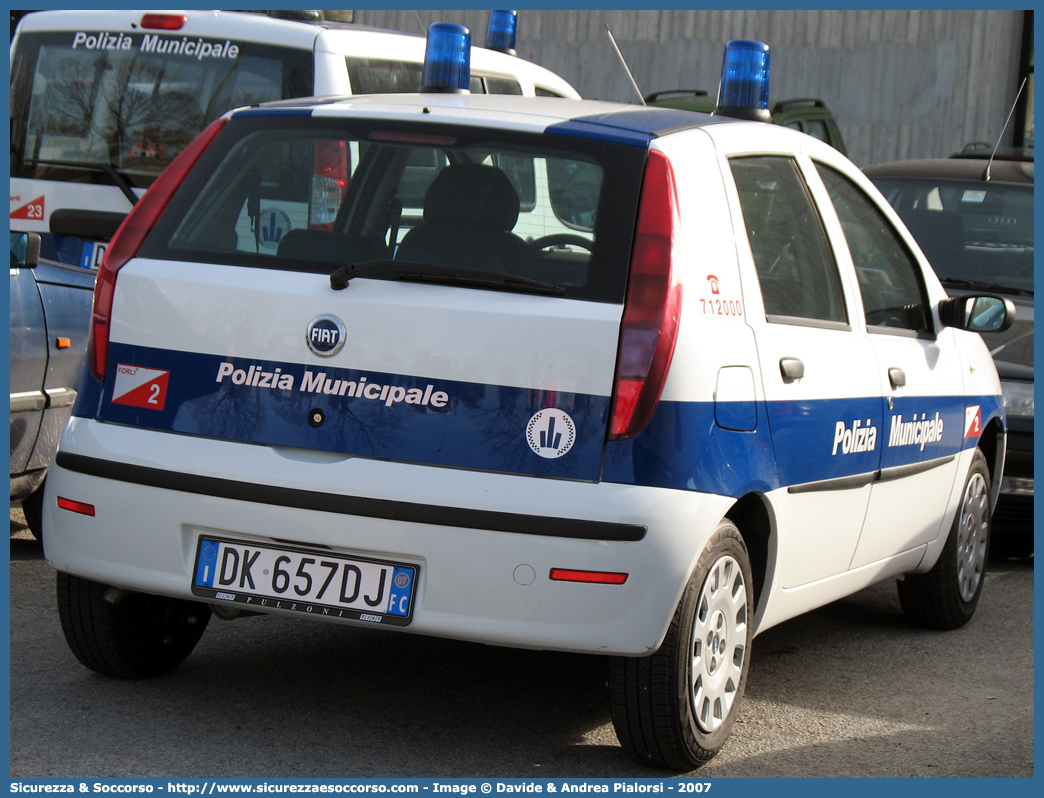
x,y
469,212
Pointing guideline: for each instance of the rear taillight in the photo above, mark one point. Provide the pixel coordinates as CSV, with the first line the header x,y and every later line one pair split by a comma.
x,y
163,21
649,329
128,240
330,169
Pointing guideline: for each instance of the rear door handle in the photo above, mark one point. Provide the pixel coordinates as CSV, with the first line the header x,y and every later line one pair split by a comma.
x,y
897,377
791,368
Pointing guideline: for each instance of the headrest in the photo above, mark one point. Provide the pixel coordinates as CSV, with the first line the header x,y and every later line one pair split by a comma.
x,y
472,195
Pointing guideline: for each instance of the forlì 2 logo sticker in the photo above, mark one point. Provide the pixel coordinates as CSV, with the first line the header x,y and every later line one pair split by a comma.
x,y
551,433
140,387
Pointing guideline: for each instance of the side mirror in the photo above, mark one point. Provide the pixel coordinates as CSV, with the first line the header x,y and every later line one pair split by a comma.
x,y
25,250
981,314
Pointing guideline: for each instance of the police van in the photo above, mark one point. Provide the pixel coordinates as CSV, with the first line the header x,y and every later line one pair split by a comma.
x,y
103,101
726,389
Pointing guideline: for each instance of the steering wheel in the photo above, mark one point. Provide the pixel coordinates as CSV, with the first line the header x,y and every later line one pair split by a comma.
x,y
560,240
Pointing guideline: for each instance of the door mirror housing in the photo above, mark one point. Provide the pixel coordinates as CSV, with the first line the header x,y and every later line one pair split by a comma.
x,y
25,250
981,314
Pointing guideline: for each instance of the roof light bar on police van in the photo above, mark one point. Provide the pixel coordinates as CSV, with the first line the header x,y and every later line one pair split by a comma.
x,y
502,32
744,89
447,59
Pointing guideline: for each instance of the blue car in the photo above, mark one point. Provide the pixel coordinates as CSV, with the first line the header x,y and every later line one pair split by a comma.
x,y
50,317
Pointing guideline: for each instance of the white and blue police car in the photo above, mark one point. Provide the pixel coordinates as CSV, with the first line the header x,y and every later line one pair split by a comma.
x,y
553,374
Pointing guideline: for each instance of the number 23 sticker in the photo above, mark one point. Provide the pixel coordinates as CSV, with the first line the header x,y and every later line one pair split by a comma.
x,y
31,210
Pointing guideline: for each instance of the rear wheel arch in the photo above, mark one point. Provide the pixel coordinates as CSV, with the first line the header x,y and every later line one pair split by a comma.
x,y
753,517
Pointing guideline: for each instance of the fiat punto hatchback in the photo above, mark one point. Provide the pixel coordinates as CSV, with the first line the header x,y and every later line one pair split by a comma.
x,y
551,374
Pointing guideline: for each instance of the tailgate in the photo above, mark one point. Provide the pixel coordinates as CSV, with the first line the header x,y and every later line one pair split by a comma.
x,y
443,295
426,374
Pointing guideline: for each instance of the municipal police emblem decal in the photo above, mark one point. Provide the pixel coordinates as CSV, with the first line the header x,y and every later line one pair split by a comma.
x,y
551,433
326,335
272,226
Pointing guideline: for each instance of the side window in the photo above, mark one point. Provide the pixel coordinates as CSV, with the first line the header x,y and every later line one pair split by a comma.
x,y
383,76
889,277
796,268
503,86
817,128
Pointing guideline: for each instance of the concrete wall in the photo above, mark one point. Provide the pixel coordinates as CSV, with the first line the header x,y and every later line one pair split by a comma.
x,y
902,84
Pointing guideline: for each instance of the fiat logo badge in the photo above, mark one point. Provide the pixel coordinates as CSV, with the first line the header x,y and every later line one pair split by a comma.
x,y
326,335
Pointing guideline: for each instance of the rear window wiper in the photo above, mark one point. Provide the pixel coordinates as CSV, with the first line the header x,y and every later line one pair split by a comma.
x,y
446,275
119,179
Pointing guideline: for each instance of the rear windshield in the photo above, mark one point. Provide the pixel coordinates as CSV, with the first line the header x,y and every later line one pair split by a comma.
x,y
970,231
307,194
84,104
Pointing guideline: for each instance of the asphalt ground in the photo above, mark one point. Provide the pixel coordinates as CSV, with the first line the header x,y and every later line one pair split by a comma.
x,y
849,690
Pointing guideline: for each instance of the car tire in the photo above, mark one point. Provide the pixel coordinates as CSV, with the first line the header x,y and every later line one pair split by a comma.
x,y
674,709
127,635
946,596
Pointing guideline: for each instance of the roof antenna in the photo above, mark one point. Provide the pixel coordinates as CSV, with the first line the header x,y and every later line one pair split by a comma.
x,y
622,61
986,173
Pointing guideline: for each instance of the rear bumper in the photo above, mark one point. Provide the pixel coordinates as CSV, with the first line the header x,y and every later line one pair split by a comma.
x,y
484,543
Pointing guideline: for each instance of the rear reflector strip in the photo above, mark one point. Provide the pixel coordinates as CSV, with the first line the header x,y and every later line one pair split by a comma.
x,y
76,507
592,577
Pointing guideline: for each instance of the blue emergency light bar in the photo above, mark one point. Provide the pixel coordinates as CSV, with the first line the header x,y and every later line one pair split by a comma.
x,y
447,59
502,31
744,88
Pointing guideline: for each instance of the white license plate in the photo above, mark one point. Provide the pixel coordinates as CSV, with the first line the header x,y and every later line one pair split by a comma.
x,y
309,581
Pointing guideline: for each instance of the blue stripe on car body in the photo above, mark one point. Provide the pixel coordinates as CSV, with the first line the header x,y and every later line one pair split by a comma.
x,y
482,427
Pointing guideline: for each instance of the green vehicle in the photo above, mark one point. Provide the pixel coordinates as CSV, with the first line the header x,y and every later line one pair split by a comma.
x,y
809,115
